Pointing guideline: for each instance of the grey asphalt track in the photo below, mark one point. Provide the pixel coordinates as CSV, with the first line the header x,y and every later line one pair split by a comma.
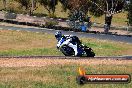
x,y
125,39
118,38
71,57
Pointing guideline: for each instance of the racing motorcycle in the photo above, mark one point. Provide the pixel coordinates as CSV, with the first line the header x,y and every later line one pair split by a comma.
x,y
82,51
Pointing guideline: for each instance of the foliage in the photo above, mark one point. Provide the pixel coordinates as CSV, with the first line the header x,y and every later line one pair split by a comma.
x,y
64,4
4,4
49,5
24,3
51,23
107,7
73,5
30,5
111,7
96,7
93,8
130,13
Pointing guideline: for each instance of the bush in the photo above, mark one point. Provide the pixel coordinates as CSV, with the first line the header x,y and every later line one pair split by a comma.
x,y
51,23
52,16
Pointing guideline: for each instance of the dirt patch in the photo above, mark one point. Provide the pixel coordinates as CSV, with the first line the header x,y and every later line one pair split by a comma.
x,y
38,62
14,25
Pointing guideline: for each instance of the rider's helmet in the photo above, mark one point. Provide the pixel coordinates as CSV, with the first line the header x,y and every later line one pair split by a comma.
x,y
58,35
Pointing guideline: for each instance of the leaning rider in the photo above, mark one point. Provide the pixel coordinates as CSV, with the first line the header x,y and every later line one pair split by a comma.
x,y
71,41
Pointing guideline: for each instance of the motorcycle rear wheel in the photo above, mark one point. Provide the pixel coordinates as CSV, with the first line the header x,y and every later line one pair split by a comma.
x,y
89,52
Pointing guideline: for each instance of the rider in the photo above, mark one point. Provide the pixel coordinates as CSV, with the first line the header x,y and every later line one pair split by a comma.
x,y
71,41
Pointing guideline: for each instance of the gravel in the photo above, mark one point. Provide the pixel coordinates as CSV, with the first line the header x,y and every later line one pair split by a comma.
x,y
39,62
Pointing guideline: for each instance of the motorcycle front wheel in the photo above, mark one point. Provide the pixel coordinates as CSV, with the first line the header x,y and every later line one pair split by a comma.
x,y
67,51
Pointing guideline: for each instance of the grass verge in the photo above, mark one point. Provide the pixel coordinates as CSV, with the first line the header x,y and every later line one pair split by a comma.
x,y
62,75
30,52
29,43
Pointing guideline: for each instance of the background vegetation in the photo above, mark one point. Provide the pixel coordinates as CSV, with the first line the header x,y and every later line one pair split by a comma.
x,y
119,19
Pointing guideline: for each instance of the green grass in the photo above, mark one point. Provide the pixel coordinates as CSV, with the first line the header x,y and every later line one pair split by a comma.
x,y
26,52
108,48
28,43
119,19
105,49
58,76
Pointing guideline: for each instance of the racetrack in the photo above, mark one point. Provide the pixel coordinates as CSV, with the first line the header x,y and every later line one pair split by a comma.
x,y
119,38
71,57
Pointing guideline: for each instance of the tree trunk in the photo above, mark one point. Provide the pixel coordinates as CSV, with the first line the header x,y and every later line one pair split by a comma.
x,y
130,14
4,4
108,19
32,8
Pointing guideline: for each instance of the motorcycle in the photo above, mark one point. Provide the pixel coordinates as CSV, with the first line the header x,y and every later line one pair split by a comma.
x,y
83,51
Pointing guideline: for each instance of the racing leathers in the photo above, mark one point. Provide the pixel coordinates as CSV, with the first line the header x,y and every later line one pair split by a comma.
x,y
71,41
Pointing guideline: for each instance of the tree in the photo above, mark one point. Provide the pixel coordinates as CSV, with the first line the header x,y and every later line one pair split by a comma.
x,y
107,7
33,6
72,5
64,4
4,4
96,8
49,5
24,3
130,13
30,5
78,8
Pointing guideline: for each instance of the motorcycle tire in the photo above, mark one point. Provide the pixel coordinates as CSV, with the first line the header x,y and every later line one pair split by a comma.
x,y
65,52
89,52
